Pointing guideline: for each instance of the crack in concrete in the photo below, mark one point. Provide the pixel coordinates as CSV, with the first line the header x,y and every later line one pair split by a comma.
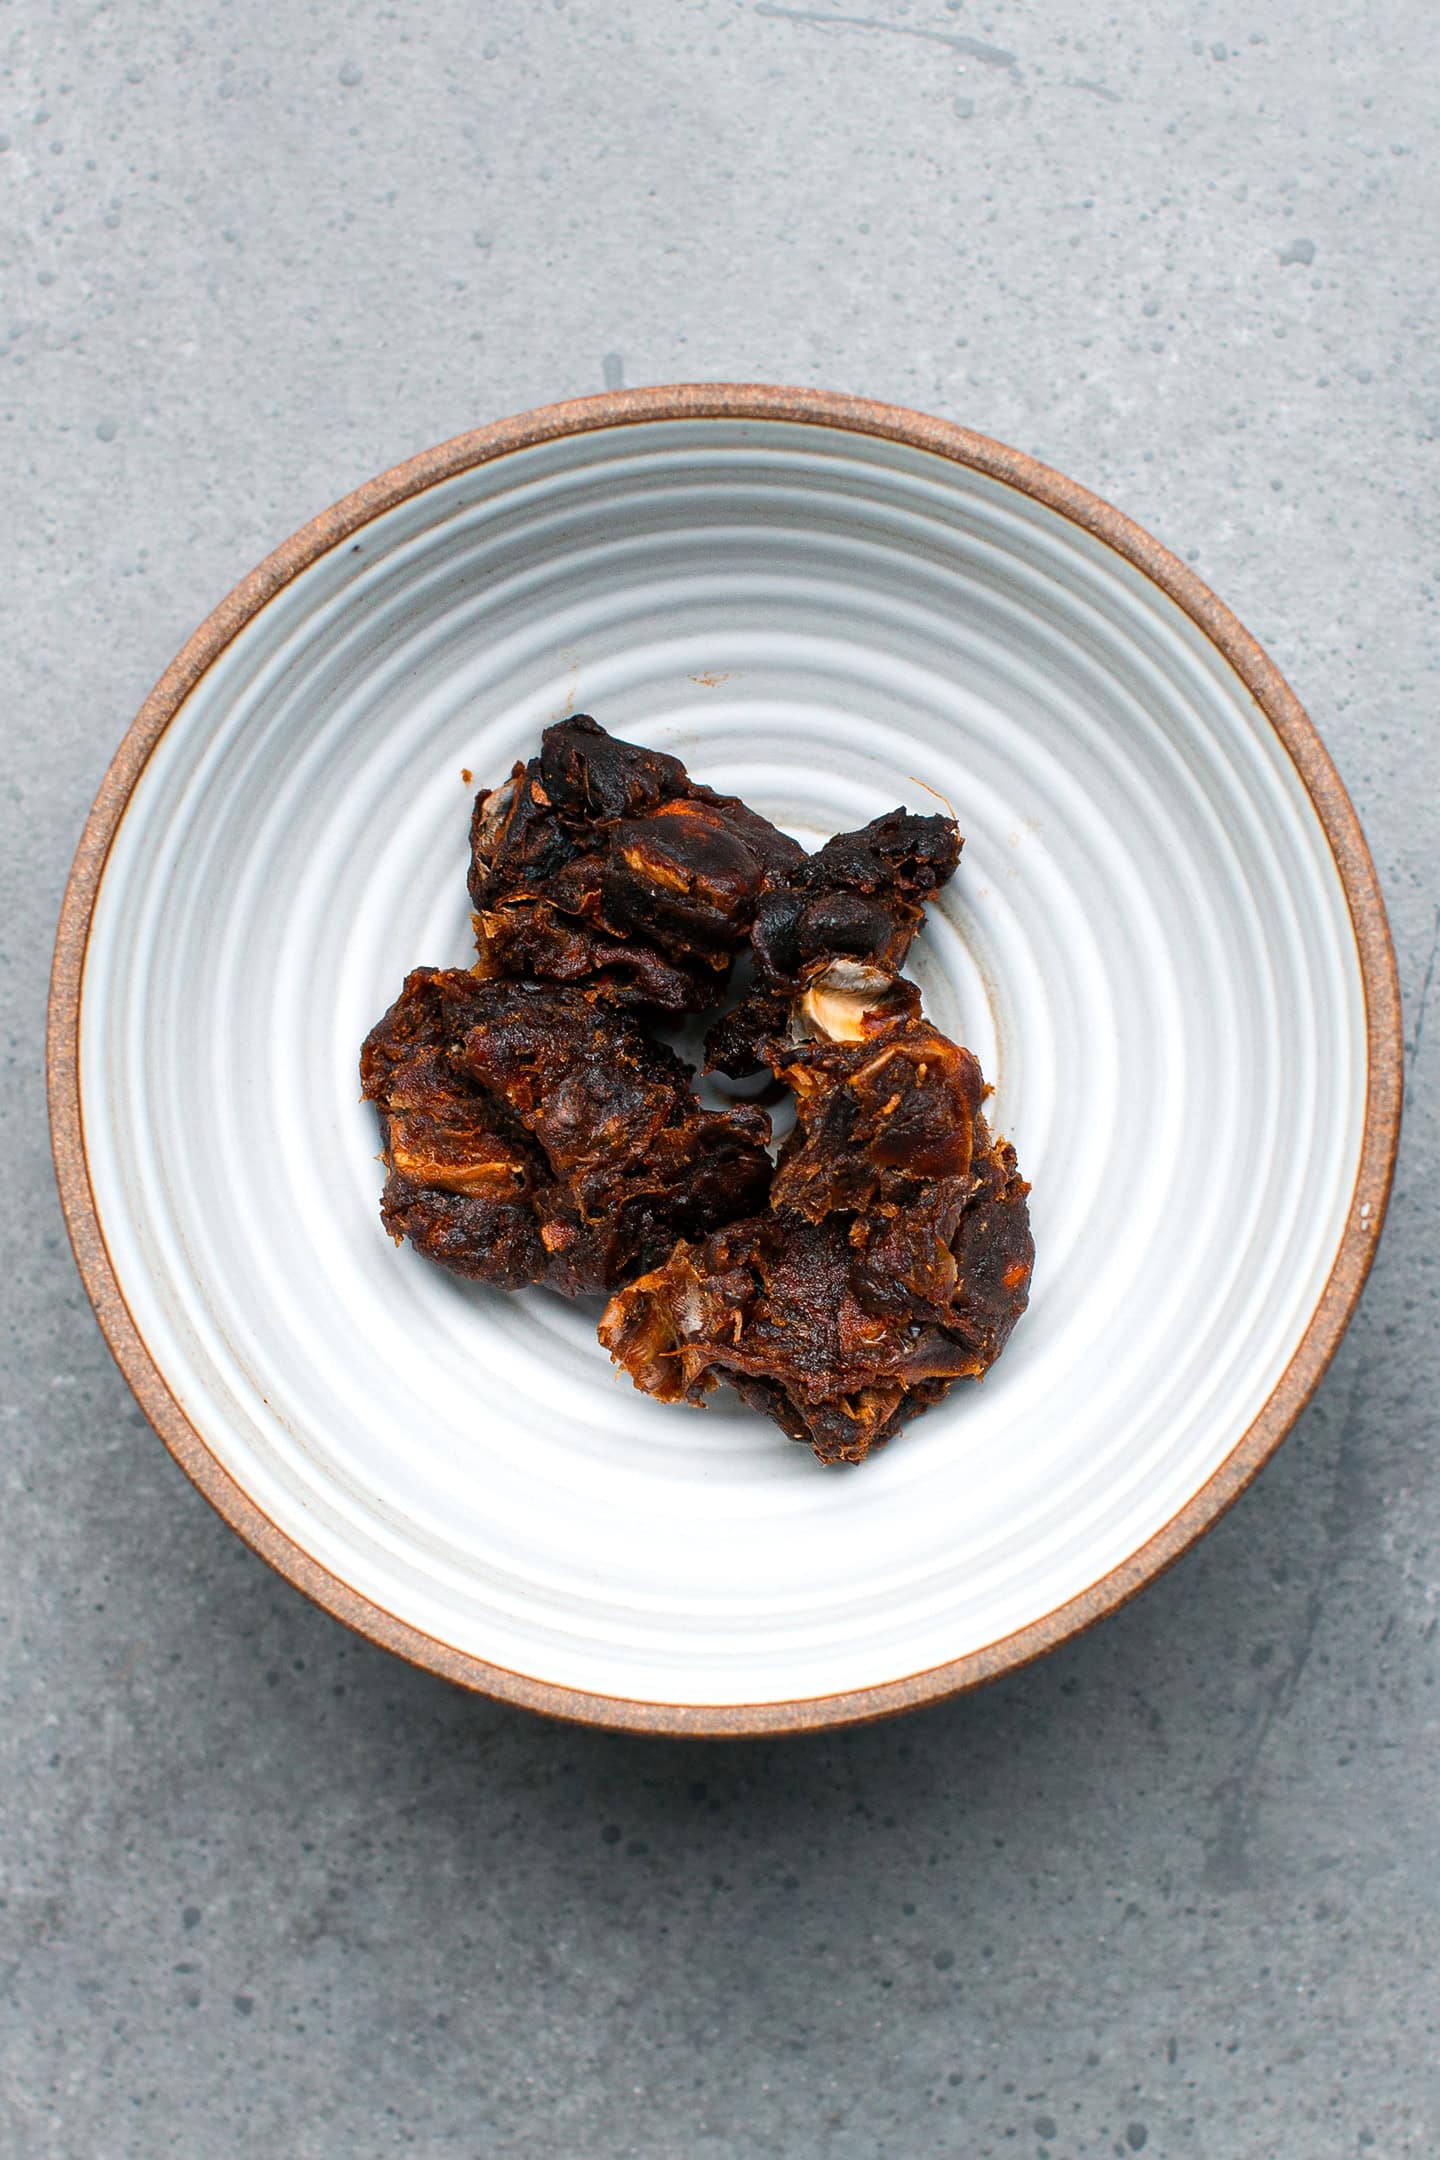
x,y
1227,1852
973,48
1414,1049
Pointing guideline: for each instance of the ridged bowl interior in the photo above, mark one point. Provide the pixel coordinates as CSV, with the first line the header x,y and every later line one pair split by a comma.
x,y
1148,945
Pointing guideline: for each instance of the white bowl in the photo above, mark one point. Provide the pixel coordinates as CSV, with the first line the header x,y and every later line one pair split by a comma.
x,y
1165,943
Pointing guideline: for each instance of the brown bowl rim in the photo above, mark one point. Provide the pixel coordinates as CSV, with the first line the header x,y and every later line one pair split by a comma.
x,y
1384,1046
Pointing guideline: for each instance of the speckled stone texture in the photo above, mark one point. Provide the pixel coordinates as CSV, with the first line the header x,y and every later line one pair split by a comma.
x,y
266,1890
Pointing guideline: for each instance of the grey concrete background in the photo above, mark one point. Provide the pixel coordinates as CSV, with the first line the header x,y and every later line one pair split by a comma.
x,y
266,1890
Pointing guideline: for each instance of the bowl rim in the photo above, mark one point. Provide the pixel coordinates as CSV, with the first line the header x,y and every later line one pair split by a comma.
x,y
1015,468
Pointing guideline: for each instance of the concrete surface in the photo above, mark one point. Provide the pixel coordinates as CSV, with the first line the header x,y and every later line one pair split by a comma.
x,y
266,1891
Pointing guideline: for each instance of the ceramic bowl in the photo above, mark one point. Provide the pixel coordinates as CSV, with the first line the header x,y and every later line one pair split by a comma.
x,y
1165,943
